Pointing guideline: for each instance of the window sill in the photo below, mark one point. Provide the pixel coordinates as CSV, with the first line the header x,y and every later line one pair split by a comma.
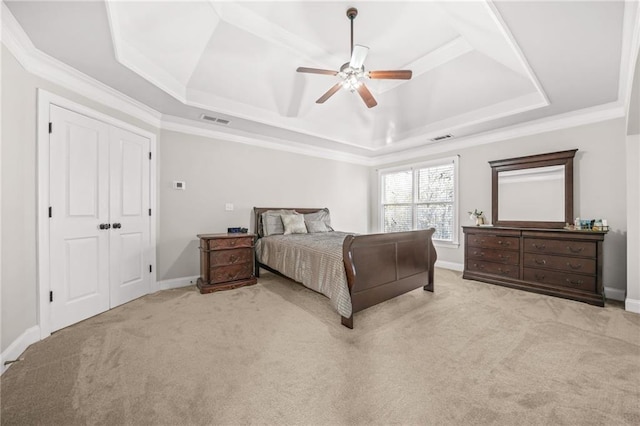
x,y
446,244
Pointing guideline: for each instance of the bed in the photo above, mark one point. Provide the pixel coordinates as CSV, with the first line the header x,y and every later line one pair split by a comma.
x,y
354,271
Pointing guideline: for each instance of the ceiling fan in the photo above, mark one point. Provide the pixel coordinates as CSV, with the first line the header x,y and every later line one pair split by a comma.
x,y
353,74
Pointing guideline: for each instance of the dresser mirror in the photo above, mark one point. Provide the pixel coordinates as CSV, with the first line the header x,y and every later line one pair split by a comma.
x,y
534,191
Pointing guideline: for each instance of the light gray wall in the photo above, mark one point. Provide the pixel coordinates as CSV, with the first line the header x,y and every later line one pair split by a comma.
x,y
18,201
19,192
633,216
218,172
633,194
599,183
633,125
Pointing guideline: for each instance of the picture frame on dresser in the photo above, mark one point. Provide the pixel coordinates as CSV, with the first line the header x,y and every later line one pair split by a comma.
x,y
531,248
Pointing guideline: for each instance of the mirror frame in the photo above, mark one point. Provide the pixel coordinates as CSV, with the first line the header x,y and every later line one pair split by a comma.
x,y
561,158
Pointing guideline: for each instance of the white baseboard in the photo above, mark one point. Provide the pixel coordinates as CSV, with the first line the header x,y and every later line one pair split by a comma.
x,y
178,282
614,293
632,305
18,346
449,265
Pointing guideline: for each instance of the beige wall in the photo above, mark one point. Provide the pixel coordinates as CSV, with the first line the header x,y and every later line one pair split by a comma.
x,y
218,172
600,184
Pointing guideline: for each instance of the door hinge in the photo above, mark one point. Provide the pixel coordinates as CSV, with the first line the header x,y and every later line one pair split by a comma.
x,y
150,269
149,212
51,296
50,212
50,127
149,155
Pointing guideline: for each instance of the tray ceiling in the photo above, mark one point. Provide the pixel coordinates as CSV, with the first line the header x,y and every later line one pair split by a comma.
x,y
476,65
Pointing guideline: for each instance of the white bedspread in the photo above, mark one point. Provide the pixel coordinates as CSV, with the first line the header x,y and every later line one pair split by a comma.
x,y
315,260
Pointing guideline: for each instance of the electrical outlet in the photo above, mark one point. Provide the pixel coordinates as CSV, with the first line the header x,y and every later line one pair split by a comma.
x,y
228,207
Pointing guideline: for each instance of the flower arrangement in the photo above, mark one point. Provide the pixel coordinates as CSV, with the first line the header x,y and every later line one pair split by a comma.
x,y
477,216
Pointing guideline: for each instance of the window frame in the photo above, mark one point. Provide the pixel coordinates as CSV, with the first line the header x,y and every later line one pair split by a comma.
x,y
455,242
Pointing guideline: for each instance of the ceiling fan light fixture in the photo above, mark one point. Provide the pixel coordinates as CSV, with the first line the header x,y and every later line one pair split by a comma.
x,y
352,74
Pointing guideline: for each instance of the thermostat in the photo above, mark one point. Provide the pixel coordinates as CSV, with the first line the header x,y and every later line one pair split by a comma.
x,y
179,184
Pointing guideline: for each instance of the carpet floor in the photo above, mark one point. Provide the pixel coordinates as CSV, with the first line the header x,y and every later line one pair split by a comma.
x,y
275,353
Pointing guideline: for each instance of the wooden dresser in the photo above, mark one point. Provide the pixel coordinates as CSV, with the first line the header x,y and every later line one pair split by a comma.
x,y
556,262
226,261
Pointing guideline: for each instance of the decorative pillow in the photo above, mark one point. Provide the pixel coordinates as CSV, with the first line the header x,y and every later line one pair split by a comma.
x,y
316,226
293,224
272,222
322,215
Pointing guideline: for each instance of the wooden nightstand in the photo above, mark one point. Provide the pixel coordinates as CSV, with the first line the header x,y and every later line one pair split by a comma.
x,y
226,261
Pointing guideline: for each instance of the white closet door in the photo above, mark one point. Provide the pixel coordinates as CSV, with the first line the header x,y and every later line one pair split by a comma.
x,y
129,214
79,197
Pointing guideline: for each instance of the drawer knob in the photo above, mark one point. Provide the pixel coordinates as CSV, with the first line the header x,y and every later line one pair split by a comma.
x,y
540,262
575,250
505,272
539,278
500,242
478,253
504,257
574,282
539,246
578,266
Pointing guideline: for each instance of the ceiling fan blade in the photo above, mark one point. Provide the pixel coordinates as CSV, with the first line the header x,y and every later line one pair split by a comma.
x,y
391,75
316,71
366,96
358,56
329,93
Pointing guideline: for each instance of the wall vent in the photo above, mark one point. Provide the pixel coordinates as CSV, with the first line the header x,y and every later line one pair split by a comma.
x,y
220,121
441,138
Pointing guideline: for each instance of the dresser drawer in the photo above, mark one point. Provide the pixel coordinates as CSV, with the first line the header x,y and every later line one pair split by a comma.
x,y
221,274
231,257
567,247
493,268
493,255
569,264
493,241
574,281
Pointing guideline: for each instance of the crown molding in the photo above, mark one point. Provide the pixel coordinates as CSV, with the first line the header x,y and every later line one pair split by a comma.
x,y
597,114
44,66
192,127
630,51
48,68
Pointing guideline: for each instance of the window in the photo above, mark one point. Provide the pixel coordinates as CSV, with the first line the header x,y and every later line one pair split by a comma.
x,y
420,197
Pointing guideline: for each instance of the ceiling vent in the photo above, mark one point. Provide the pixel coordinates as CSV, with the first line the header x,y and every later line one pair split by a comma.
x,y
441,138
220,121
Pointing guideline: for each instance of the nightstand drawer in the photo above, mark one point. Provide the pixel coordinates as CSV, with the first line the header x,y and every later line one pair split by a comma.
x,y
231,257
229,243
220,274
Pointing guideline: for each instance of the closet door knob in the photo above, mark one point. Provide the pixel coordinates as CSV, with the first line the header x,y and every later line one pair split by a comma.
x,y
105,226
117,226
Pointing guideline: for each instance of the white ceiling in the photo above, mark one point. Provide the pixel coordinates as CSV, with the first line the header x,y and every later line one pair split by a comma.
x,y
477,66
